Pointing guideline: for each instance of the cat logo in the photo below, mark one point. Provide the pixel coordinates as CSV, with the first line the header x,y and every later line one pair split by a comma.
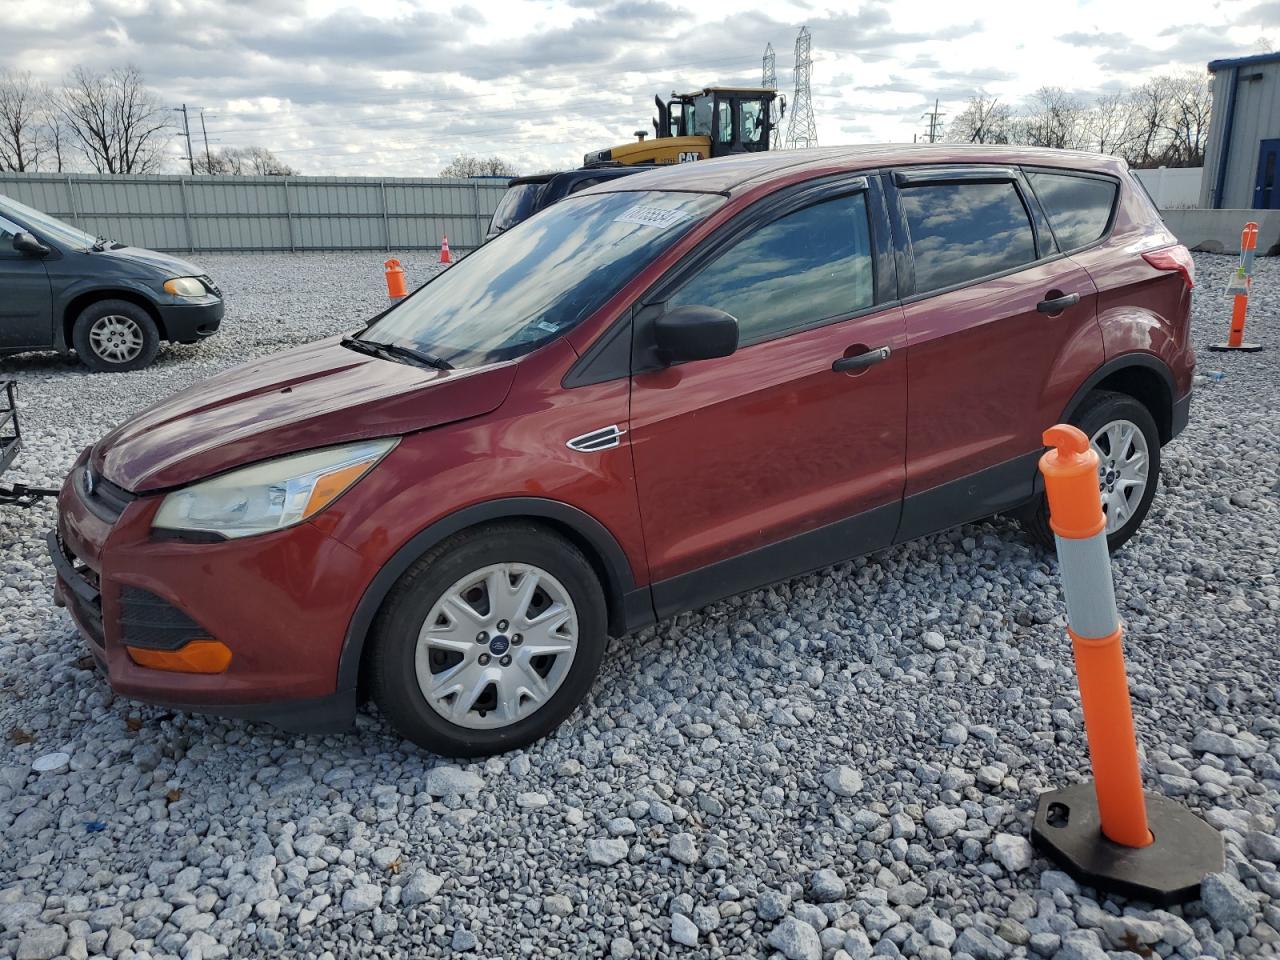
x,y
687,156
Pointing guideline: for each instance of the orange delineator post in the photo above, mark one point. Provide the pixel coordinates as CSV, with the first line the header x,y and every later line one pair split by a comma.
x,y
1075,514
1240,301
395,280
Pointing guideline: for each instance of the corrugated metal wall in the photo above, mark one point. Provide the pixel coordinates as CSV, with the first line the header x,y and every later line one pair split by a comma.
x,y
211,214
1256,117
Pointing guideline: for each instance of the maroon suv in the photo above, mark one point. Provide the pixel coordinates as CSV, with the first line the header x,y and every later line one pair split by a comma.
x,y
659,392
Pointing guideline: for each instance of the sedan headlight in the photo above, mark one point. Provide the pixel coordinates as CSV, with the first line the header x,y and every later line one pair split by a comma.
x,y
270,496
185,287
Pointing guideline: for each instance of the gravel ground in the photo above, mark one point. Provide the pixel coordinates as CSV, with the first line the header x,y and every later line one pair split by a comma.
x,y
840,765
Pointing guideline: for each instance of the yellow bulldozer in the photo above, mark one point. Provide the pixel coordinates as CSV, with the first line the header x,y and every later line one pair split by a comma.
x,y
712,122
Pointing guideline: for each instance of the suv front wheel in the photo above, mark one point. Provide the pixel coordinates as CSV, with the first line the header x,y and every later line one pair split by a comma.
x,y
1124,435
489,641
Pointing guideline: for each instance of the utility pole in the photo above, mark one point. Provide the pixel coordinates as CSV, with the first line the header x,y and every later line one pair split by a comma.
x,y
208,161
186,130
935,124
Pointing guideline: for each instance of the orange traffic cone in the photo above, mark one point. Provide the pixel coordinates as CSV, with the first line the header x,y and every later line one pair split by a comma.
x,y
444,251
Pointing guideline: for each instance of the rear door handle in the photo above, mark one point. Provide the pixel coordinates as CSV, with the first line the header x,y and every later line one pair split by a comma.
x,y
1058,304
861,361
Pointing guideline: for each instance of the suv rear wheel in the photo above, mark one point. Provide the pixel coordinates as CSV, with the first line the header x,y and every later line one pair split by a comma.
x,y
1124,435
115,335
489,641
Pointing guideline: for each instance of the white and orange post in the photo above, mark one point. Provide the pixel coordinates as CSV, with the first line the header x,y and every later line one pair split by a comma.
x,y
396,289
1108,833
1238,288
445,256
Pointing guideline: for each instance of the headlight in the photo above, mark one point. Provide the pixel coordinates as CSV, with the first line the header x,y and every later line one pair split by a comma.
x,y
185,287
270,496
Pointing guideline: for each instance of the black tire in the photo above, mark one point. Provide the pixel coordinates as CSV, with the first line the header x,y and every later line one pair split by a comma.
x,y
1097,410
82,340
392,672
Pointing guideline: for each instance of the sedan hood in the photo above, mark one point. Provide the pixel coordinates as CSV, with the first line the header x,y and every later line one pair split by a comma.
x,y
314,396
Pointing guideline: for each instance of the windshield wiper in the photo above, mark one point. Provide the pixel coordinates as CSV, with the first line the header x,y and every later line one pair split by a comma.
x,y
394,351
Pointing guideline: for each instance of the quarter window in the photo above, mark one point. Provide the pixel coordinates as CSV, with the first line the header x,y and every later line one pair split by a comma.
x,y
963,231
1079,208
804,268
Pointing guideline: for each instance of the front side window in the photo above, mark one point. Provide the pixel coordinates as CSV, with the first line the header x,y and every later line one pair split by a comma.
x,y
701,116
1078,208
542,277
517,204
8,230
964,231
812,265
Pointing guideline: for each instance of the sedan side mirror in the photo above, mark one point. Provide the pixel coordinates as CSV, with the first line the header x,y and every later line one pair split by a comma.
x,y
26,243
695,333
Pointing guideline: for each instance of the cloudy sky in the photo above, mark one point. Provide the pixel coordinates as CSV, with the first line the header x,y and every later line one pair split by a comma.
x,y
399,87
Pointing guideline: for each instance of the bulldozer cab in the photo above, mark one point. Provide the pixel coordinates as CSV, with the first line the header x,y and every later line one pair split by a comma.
x,y
736,119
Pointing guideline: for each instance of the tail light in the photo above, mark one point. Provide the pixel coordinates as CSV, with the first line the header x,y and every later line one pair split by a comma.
x,y
1176,258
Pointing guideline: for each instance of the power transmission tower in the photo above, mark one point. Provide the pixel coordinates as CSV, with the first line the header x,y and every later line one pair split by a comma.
x,y
935,122
769,80
803,130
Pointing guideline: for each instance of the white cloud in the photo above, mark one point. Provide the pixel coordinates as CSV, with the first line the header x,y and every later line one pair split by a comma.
x,y
399,88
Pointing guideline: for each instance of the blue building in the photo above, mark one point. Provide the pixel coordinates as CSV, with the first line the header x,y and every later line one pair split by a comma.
x,y
1242,157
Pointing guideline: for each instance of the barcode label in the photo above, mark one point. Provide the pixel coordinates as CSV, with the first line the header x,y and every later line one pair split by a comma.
x,y
652,217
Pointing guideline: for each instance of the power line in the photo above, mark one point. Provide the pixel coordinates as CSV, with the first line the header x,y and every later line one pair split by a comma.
x,y
935,122
186,129
803,131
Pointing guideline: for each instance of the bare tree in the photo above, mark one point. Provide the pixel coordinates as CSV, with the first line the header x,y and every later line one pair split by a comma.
x,y
983,120
22,106
1053,118
1187,122
116,121
244,161
1109,124
466,165
1149,110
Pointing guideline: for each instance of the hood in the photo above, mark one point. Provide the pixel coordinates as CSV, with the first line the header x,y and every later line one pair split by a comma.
x,y
314,396
151,260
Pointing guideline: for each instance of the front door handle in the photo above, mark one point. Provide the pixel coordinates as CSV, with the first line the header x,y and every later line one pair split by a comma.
x,y
1058,304
861,361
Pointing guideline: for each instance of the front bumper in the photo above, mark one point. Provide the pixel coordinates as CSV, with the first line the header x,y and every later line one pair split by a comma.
x,y
189,322
281,602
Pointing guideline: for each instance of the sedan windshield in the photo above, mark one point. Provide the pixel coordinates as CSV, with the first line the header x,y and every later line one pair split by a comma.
x,y
46,227
540,279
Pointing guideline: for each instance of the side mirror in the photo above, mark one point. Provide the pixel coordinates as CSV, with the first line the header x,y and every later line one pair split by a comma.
x,y
695,333
782,108
27,244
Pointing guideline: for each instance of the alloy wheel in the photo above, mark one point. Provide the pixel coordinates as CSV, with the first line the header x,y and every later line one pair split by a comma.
x,y
1123,462
496,646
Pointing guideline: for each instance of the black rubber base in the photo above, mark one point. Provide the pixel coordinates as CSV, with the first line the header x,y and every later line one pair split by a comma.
x,y
1227,348
1168,871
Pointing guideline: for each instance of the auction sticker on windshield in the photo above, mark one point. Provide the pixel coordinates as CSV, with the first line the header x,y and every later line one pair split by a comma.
x,y
652,217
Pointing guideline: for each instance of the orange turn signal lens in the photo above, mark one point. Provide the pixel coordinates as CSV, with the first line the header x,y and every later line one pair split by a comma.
x,y
197,656
332,485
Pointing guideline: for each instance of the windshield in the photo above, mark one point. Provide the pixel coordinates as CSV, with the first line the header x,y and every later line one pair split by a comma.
x,y
45,226
517,204
541,278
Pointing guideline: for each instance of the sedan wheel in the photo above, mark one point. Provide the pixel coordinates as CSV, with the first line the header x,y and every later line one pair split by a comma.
x,y
496,646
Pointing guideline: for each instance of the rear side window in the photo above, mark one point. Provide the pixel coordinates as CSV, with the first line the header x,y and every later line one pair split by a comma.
x,y
809,266
1079,208
963,231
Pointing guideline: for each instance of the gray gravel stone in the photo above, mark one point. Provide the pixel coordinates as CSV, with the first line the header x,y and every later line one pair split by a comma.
x,y
843,781
796,940
684,930
1011,852
1226,899
826,886
605,851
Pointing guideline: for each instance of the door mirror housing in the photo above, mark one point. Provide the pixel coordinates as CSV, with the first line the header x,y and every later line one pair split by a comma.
x,y
26,243
695,333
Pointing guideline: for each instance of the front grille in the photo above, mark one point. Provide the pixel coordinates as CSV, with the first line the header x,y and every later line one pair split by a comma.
x,y
103,498
152,622
208,282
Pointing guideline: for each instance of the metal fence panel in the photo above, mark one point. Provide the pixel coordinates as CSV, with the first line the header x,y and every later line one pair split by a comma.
x,y
229,214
